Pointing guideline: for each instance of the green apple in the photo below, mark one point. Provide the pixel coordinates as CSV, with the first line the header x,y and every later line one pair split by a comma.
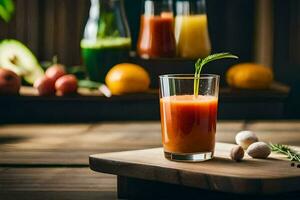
x,y
16,57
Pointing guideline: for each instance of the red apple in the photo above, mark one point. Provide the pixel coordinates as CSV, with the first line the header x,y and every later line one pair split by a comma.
x,y
10,82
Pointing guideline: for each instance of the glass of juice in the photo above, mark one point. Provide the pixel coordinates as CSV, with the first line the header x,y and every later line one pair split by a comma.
x,y
100,56
156,37
188,120
106,41
191,29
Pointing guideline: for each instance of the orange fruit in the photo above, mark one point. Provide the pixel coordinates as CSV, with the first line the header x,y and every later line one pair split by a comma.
x,y
249,76
127,78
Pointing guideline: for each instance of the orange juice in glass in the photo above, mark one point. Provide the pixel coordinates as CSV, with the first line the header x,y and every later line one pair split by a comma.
x,y
191,29
188,121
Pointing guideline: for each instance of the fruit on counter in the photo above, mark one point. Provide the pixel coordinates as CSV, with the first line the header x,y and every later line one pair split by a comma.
x,y
56,81
66,85
237,153
55,71
259,150
127,78
45,86
10,82
249,76
245,138
16,57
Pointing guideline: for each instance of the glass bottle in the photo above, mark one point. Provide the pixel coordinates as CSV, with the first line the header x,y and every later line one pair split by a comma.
x,y
191,29
156,37
106,41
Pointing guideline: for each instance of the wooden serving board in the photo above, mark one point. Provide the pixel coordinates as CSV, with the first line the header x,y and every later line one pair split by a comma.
x,y
251,176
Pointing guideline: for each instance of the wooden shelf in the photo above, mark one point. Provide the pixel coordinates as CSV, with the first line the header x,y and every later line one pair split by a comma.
x,y
233,104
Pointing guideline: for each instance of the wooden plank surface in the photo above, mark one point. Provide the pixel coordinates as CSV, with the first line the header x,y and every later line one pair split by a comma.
x,y
54,195
31,152
55,179
252,176
71,144
55,183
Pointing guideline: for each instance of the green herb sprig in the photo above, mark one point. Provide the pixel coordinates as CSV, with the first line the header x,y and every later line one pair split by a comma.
x,y
95,86
285,150
203,61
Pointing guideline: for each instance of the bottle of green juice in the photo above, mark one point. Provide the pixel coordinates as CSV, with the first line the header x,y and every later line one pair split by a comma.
x,y
106,40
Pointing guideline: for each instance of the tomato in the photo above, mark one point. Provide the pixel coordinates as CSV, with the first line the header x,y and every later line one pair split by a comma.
x,y
55,71
45,86
66,84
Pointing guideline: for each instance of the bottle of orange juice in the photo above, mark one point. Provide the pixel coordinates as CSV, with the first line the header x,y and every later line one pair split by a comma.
x,y
191,29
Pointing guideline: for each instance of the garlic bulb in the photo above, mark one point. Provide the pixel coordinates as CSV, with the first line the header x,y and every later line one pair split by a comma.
x,y
245,138
259,150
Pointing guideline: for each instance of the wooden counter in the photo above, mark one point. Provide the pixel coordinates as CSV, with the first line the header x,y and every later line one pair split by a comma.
x,y
51,161
90,107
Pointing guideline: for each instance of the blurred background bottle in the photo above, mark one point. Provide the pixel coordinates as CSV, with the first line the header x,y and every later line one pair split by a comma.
x,y
156,37
106,40
191,29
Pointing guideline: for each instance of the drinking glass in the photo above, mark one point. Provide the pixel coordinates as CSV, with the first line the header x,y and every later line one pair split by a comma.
x,y
156,37
188,120
191,29
106,41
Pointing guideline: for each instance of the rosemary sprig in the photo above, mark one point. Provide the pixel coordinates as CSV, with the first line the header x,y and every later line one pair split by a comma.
x,y
285,150
201,62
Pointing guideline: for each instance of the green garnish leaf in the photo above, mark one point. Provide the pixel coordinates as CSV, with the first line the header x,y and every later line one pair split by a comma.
x,y
285,150
7,9
95,86
89,84
201,62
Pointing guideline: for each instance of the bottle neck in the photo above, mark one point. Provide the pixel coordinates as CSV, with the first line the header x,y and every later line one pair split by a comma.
x,y
107,19
156,7
190,7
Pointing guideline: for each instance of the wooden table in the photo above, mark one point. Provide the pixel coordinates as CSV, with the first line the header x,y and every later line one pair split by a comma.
x,y
51,161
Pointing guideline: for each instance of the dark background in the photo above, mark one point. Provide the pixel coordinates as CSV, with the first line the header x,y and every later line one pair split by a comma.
x,y
55,27
52,27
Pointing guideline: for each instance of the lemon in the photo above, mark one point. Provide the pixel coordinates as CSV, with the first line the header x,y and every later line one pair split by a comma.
x,y
127,78
249,76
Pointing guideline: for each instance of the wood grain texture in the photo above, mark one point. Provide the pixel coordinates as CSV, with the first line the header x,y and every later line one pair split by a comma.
x,y
50,161
286,43
71,144
53,195
55,179
55,183
252,176
264,33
